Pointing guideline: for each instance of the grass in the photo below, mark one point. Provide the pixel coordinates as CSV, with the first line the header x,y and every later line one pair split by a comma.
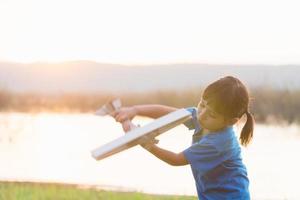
x,y
53,191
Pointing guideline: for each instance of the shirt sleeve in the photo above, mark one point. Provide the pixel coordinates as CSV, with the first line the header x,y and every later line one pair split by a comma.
x,y
189,124
192,124
203,157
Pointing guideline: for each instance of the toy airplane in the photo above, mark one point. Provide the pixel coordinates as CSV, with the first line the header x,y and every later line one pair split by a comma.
x,y
137,135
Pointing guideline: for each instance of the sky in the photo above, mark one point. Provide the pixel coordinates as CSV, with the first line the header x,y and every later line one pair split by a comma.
x,y
151,31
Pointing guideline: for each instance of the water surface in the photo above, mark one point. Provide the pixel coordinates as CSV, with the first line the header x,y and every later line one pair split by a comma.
x,y
56,148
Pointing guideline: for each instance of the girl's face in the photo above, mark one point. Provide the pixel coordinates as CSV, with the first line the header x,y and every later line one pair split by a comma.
x,y
209,119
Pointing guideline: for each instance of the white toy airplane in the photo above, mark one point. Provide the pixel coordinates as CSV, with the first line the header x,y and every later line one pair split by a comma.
x,y
137,135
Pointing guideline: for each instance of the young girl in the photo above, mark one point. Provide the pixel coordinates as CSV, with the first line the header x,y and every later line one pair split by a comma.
x,y
215,154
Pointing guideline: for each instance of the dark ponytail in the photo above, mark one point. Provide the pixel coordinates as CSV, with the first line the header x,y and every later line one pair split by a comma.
x,y
247,131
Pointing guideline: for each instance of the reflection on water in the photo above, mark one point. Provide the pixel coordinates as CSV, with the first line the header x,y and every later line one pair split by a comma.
x,y
56,148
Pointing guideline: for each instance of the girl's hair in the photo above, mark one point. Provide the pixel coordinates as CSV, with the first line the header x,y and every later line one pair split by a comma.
x,y
229,97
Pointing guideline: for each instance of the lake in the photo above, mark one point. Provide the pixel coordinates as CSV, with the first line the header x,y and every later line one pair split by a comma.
x,y
52,147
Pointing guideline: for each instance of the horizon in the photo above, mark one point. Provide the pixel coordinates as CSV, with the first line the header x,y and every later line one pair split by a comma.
x,y
96,77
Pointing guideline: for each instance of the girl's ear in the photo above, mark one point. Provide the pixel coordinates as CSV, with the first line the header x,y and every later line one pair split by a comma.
x,y
232,121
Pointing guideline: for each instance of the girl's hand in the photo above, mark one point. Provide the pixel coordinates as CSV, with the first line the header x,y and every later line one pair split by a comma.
x,y
124,114
128,126
147,142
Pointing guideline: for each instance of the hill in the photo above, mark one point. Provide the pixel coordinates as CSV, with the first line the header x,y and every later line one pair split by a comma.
x,y
92,77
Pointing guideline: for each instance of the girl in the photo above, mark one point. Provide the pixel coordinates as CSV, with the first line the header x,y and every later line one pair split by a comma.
x,y
215,154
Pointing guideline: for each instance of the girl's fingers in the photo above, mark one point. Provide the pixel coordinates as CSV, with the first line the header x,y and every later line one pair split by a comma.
x,y
120,115
126,127
117,118
121,118
114,114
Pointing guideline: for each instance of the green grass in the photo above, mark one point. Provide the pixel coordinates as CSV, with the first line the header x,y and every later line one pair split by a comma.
x,y
45,191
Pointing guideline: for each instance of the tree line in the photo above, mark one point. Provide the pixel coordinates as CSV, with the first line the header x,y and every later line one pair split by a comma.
x,y
267,104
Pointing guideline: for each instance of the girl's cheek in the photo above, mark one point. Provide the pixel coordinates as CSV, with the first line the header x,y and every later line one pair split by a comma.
x,y
202,120
202,116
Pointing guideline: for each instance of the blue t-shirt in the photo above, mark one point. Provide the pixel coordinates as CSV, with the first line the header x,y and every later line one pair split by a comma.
x,y
216,163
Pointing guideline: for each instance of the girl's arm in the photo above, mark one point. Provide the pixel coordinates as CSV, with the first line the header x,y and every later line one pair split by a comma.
x,y
151,110
175,159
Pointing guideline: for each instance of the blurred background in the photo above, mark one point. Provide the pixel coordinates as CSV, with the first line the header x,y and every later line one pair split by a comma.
x,y
62,60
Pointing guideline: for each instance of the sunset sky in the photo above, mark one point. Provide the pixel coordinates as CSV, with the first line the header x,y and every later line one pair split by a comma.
x,y
151,31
